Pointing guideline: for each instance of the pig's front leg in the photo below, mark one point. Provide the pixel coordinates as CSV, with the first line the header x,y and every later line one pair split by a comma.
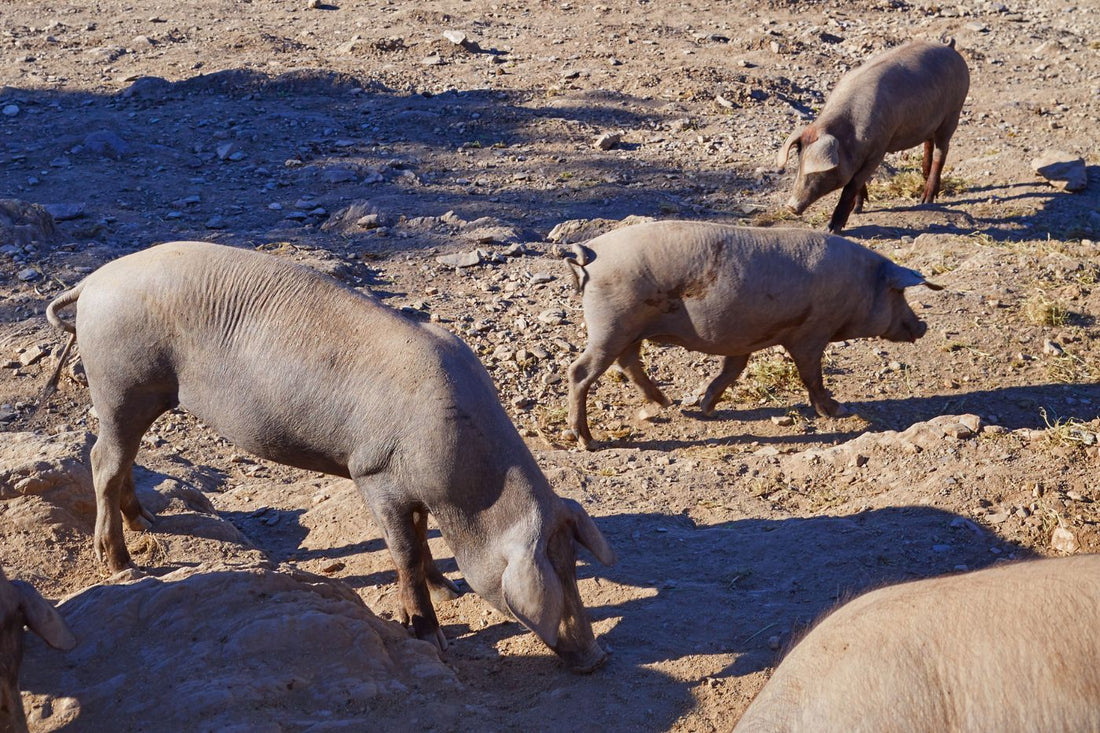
x,y
807,358
439,586
396,518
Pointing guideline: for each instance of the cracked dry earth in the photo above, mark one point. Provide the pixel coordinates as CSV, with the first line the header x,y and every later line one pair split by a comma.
x,y
386,144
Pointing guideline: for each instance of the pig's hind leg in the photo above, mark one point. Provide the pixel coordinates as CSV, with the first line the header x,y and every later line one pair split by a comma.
x,y
807,358
732,366
122,422
630,361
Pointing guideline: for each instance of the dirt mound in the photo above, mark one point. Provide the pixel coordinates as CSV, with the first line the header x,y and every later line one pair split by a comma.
x,y
254,646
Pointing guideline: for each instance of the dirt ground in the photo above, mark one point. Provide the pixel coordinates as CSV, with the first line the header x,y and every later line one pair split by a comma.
x,y
356,137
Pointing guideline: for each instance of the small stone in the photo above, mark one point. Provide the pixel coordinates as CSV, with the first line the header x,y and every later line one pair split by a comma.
x,y
339,175
958,431
974,422
1051,348
226,150
996,517
941,548
433,60
215,222
460,259
773,643
64,212
31,355
11,110
608,140
784,421
552,317
540,278
1063,540
459,38
1062,170
28,274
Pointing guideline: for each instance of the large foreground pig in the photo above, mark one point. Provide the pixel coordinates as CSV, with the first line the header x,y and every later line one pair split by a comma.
x,y
1011,648
293,367
730,290
901,98
21,605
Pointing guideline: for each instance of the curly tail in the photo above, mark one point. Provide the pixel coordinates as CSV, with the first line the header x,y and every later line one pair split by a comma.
x,y
65,299
577,259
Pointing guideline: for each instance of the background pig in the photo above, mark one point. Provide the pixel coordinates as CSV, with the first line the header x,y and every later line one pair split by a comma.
x,y
296,368
21,605
1011,648
899,99
731,291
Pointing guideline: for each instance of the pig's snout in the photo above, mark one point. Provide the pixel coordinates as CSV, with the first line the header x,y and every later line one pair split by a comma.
x,y
795,205
918,329
583,662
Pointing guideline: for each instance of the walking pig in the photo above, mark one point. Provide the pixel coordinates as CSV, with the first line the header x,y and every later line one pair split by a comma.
x,y
909,95
730,290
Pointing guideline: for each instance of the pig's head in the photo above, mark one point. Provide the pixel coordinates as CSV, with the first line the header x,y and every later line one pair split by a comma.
x,y
21,605
820,168
898,321
539,584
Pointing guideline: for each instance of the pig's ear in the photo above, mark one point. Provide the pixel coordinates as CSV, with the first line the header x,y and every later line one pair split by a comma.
x,y
588,534
42,618
821,155
794,141
902,277
533,593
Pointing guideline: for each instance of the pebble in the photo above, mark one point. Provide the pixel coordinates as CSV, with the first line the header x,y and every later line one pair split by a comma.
x,y
784,421
608,140
11,110
1063,540
215,222
28,274
460,259
552,317
31,355
1051,348
1063,170
540,278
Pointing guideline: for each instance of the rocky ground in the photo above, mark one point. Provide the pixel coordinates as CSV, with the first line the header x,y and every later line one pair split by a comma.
x,y
439,156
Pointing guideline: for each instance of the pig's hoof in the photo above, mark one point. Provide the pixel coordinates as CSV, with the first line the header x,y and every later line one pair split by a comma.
x,y
442,589
141,523
126,575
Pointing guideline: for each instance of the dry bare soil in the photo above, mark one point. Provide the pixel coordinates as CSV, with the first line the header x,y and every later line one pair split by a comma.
x,y
355,137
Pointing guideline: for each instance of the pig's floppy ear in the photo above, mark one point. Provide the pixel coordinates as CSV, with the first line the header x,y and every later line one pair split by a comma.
x,y
794,141
533,593
588,534
902,277
821,155
42,618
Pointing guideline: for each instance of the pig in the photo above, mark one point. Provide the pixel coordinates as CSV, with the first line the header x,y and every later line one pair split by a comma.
x,y
731,291
21,605
1009,648
294,367
897,100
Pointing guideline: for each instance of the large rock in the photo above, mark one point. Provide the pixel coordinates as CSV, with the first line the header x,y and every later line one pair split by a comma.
x,y
22,223
1063,170
220,647
47,505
